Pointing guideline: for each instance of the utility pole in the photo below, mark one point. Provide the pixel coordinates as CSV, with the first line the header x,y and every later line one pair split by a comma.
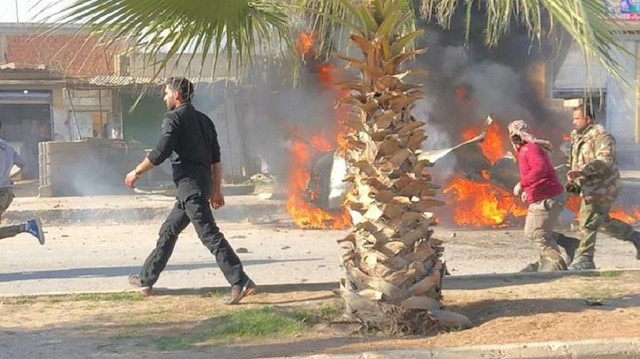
x,y
17,15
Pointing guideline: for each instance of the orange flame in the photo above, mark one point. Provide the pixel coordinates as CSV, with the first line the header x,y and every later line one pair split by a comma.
x,y
481,204
566,137
304,44
303,213
573,204
630,215
493,145
299,196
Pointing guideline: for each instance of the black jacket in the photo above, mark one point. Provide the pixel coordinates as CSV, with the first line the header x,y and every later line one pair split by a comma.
x,y
190,138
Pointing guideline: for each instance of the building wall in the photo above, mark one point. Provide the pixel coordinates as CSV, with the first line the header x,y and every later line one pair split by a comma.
x,y
92,113
64,50
621,102
621,98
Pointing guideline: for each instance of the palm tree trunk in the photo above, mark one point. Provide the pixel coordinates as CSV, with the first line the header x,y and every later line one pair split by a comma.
x,y
393,265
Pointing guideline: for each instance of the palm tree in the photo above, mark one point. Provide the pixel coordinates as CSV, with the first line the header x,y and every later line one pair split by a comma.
x,y
393,271
392,264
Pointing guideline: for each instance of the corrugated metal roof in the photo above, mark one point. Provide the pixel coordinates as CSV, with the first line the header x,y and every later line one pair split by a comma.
x,y
121,81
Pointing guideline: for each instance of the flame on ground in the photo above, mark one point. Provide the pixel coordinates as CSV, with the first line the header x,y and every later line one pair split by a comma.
x,y
303,213
299,196
630,215
481,204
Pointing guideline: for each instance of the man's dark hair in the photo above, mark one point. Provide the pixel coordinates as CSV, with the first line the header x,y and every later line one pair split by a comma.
x,y
586,110
182,86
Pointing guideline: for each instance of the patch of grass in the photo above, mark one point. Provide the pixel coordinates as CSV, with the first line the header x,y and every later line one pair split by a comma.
x,y
328,312
105,297
172,343
218,293
18,300
257,322
158,316
610,274
324,313
247,323
89,297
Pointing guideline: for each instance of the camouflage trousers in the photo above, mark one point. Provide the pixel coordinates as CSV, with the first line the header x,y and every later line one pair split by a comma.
x,y
10,231
594,217
542,217
6,197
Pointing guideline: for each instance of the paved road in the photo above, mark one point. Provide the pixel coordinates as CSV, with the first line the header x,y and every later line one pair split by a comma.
x,y
99,258
91,248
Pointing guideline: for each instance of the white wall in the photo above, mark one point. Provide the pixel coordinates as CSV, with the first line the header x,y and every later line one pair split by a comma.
x,y
620,101
621,98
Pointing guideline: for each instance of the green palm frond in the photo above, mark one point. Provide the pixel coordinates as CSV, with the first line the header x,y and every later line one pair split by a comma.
x,y
238,29
235,28
588,22
342,18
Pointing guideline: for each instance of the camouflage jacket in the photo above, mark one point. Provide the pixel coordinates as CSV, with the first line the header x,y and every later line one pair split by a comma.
x,y
594,153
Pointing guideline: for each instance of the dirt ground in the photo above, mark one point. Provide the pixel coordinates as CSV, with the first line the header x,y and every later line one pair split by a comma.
x,y
521,309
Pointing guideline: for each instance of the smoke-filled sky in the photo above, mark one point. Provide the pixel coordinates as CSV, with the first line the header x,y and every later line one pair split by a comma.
x,y
29,10
465,84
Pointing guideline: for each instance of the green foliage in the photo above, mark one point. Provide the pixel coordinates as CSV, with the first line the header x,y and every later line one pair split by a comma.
x,y
257,322
107,297
610,274
172,343
247,27
325,313
237,28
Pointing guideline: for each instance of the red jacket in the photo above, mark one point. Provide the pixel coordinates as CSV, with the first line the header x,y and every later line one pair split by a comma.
x,y
537,176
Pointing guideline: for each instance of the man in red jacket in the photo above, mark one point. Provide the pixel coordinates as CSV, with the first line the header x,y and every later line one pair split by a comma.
x,y
540,187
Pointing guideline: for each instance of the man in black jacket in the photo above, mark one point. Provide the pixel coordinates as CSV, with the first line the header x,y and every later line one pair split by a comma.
x,y
190,139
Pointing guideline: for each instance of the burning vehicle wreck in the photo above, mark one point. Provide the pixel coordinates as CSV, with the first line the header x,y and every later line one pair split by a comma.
x,y
327,191
479,193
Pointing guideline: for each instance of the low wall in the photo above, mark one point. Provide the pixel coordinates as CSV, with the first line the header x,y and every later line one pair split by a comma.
x,y
87,167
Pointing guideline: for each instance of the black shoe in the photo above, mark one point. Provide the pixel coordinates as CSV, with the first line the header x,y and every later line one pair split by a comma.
x,y
240,291
570,245
34,227
135,281
582,263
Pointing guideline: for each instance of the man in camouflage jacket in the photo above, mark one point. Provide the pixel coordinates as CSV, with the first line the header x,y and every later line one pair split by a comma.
x,y
595,177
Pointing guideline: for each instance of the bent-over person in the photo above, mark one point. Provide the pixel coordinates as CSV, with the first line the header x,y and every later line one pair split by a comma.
x,y
540,187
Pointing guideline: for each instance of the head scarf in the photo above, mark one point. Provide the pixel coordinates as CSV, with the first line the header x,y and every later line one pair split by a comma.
x,y
520,128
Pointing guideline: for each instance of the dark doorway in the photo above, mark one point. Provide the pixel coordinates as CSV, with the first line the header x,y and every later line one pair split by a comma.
x,y
25,125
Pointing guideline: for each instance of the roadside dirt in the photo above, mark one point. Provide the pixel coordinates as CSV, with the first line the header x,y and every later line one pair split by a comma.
x,y
521,309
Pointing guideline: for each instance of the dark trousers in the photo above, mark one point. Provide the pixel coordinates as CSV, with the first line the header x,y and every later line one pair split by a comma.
x,y
192,205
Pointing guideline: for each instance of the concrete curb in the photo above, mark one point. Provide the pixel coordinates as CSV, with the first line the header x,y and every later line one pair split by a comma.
x,y
455,282
136,214
621,348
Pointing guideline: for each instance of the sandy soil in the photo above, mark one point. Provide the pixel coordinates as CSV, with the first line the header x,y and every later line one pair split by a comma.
x,y
520,310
